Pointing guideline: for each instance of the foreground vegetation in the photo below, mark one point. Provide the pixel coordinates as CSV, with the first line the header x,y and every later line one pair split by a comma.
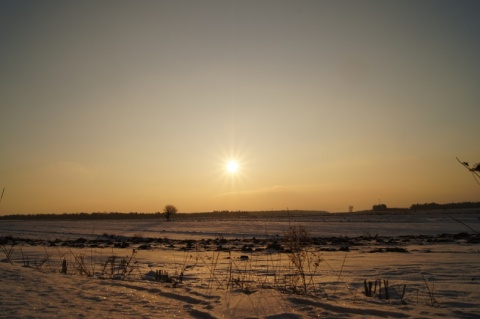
x,y
293,264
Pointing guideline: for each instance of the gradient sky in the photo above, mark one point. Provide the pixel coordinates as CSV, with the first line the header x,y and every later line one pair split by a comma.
x,y
131,105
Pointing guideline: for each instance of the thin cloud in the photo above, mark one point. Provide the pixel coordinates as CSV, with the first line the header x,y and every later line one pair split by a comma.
x,y
276,189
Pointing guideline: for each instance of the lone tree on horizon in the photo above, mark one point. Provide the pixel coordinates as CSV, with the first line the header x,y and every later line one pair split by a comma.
x,y
169,211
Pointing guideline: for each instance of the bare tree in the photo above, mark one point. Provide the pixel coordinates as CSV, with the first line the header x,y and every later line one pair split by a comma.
x,y
169,211
475,170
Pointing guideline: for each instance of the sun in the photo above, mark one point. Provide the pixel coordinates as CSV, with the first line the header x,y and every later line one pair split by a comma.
x,y
232,167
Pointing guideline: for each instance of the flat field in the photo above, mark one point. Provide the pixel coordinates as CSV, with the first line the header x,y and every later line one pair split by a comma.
x,y
390,265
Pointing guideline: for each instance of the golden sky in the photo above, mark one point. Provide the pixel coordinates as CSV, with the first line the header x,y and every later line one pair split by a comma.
x,y
132,105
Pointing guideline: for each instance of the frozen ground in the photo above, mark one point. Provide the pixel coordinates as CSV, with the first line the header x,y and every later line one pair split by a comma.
x,y
391,224
216,269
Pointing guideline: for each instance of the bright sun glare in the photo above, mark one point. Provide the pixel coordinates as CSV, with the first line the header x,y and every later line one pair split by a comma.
x,y
232,167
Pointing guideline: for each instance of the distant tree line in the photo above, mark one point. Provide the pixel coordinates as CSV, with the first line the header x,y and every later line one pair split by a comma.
x,y
169,212
81,216
433,206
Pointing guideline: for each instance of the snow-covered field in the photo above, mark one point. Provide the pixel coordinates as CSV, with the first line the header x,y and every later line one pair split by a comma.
x,y
241,268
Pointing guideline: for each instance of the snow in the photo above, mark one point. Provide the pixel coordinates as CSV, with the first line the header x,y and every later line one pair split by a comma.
x,y
440,273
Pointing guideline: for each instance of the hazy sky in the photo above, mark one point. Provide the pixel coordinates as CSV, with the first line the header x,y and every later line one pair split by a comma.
x,y
132,105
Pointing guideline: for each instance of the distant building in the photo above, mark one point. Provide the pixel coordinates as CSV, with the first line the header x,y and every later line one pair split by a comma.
x,y
379,207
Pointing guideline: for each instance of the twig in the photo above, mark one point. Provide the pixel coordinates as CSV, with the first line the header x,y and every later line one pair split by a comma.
x,y
473,170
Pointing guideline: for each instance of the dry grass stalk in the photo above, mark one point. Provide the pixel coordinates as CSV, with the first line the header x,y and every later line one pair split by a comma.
x,y
432,302
8,253
119,268
305,261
